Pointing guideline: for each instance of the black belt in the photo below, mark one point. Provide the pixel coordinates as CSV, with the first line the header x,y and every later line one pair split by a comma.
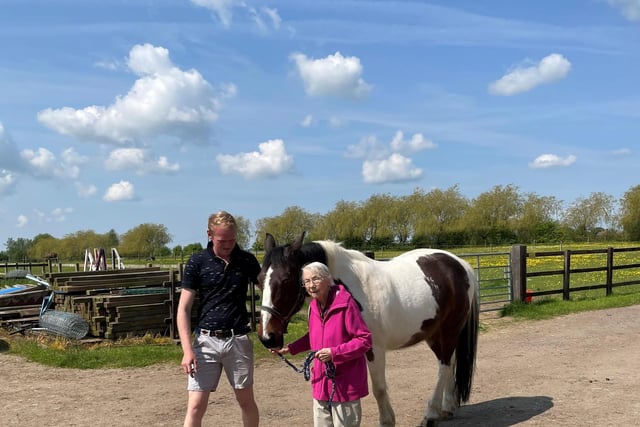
x,y
221,333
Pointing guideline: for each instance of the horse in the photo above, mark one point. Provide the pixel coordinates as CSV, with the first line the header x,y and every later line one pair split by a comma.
x,y
421,295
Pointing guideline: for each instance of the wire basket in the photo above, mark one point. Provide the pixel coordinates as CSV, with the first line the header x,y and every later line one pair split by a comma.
x,y
70,325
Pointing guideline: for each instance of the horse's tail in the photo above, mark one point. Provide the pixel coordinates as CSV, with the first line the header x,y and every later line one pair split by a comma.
x,y
466,350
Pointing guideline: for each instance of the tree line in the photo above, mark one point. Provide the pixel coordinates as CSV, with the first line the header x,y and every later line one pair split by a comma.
x,y
435,218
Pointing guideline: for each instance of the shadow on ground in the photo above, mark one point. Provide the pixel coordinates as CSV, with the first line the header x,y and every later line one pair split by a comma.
x,y
502,412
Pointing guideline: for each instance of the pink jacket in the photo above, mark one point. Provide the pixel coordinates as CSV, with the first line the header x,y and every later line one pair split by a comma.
x,y
345,332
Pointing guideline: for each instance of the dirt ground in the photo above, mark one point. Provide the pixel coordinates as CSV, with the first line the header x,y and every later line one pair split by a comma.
x,y
576,370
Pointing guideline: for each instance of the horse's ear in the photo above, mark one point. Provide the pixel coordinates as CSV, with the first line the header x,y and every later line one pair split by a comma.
x,y
298,243
269,242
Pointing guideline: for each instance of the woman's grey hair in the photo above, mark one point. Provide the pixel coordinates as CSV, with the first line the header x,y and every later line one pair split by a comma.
x,y
317,269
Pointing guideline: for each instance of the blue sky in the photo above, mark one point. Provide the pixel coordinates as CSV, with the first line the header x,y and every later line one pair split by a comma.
x,y
118,113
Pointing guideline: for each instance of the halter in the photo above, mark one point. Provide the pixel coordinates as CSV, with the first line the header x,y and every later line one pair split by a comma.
x,y
296,307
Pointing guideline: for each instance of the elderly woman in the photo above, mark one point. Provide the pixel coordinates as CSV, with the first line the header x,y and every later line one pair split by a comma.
x,y
340,339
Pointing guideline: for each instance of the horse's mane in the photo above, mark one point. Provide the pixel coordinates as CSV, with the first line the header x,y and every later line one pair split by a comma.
x,y
333,249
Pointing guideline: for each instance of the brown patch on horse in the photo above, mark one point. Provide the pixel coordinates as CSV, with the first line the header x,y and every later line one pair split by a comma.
x,y
449,285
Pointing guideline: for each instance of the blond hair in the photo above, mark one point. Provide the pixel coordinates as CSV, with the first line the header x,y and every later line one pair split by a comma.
x,y
222,219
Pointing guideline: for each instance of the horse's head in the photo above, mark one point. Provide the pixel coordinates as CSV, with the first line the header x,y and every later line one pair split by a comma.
x,y
282,292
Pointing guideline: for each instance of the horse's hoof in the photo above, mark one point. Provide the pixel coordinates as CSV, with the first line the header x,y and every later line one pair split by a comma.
x,y
428,423
445,415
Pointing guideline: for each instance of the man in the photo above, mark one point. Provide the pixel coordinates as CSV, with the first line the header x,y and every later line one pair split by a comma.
x,y
219,276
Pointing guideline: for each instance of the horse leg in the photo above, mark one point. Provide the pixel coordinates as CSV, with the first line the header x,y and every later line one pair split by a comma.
x,y
440,403
444,400
387,417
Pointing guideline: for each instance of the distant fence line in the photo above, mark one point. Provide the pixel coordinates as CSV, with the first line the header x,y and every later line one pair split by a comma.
x,y
31,267
520,272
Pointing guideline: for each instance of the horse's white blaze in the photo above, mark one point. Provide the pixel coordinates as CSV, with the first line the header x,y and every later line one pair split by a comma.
x,y
265,316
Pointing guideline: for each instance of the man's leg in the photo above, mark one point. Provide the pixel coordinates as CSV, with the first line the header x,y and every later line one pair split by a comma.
x,y
196,407
248,406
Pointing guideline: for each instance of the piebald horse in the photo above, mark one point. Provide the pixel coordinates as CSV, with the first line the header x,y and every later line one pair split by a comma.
x,y
422,295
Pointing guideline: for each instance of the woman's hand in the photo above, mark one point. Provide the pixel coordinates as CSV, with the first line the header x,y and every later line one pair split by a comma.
x,y
283,350
324,354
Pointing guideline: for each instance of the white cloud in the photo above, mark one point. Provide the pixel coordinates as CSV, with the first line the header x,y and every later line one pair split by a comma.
x,y
139,160
382,164
60,214
119,191
551,68
334,75
273,16
7,182
417,143
551,160
368,148
42,163
622,152
164,101
265,14
222,8
85,190
630,8
307,121
22,221
272,160
395,168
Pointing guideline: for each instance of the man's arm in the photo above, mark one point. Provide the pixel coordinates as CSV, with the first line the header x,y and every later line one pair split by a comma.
x,y
187,296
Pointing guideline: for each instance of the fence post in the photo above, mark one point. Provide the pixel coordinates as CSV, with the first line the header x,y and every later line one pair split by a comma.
x,y
609,288
518,272
566,277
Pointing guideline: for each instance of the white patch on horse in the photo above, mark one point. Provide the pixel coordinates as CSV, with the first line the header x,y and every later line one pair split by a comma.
x,y
265,316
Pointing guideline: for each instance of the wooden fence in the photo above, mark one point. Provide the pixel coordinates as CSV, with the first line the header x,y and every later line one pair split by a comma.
x,y
521,271
31,267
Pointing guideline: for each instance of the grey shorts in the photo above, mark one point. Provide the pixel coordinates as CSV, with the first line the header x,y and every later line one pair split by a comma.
x,y
234,354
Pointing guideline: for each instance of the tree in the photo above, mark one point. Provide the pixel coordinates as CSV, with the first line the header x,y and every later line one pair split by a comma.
x,y
438,215
111,239
192,248
538,219
18,249
376,218
145,239
285,228
492,215
340,224
243,227
73,246
43,246
586,216
630,213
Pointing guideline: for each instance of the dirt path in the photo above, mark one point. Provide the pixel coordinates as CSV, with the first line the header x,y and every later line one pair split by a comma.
x,y
576,370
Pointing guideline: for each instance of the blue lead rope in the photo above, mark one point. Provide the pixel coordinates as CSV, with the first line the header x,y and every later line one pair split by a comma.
x,y
329,370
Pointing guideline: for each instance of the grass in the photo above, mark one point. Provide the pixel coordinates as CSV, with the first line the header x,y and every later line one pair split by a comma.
x,y
65,353
546,308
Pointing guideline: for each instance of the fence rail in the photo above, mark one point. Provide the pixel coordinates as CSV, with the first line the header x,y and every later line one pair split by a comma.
x,y
521,271
31,267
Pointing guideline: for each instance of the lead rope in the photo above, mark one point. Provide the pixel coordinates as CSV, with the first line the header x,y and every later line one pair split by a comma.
x,y
329,371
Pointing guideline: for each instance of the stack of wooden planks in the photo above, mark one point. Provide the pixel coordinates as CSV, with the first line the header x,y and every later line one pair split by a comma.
x,y
120,303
